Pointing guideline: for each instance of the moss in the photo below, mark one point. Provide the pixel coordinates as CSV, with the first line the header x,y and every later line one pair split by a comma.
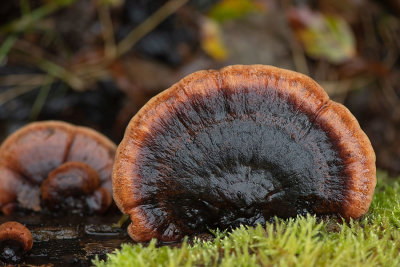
x,y
304,241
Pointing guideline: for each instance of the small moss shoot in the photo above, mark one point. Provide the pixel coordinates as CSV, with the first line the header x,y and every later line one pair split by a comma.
x,y
373,240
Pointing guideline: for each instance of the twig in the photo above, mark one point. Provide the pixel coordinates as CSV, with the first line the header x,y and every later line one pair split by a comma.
x,y
387,31
29,19
389,93
107,29
25,7
340,88
22,79
36,55
77,78
148,25
6,46
32,50
41,98
15,92
61,73
93,70
299,59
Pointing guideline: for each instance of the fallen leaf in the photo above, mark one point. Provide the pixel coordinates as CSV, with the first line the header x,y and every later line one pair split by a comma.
x,y
211,39
233,9
323,36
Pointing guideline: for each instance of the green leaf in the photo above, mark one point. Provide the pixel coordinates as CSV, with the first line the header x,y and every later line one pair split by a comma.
x,y
329,38
233,9
211,39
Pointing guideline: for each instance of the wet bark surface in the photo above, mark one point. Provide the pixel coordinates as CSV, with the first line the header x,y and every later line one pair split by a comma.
x,y
70,240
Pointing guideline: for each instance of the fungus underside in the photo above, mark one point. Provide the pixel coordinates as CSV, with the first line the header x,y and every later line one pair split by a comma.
x,y
373,240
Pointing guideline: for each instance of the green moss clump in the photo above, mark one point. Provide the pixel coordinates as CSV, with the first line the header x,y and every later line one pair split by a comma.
x,y
304,241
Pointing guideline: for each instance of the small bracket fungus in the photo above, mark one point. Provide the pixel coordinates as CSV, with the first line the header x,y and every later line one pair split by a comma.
x,y
56,164
15,242
239,146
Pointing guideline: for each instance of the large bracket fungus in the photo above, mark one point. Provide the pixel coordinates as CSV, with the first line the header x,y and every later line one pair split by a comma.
x,y
58,165
239,146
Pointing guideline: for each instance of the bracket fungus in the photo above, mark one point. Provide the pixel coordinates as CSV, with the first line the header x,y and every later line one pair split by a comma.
x,y
240,146
58,165
15,241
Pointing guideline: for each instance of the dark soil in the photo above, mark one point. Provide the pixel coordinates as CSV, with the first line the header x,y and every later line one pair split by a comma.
x,y
70,240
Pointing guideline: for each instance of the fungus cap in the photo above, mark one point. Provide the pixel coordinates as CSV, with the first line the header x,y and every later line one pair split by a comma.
x,y
239,146
30,154
18,232
15,241
69,179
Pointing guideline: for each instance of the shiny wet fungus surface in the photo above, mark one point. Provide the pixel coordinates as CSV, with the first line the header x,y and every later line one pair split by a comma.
x,y
231,158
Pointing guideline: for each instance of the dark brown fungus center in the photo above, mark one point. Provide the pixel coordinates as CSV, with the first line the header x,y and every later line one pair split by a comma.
x,y
72,186
15,242
57,165
239,146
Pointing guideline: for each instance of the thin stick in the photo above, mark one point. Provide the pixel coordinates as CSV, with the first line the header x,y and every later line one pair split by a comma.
x,y
23,87
148,25
61,73
38,57
299,59
41,99
27,20
107,29
389,93
22,79
15,92
131,39
93,71
6,47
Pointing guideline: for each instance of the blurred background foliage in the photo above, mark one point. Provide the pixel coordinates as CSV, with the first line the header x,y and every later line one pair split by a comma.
x,y
96,62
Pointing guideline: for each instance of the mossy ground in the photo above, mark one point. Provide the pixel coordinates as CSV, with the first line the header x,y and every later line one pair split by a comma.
x,y
305,241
